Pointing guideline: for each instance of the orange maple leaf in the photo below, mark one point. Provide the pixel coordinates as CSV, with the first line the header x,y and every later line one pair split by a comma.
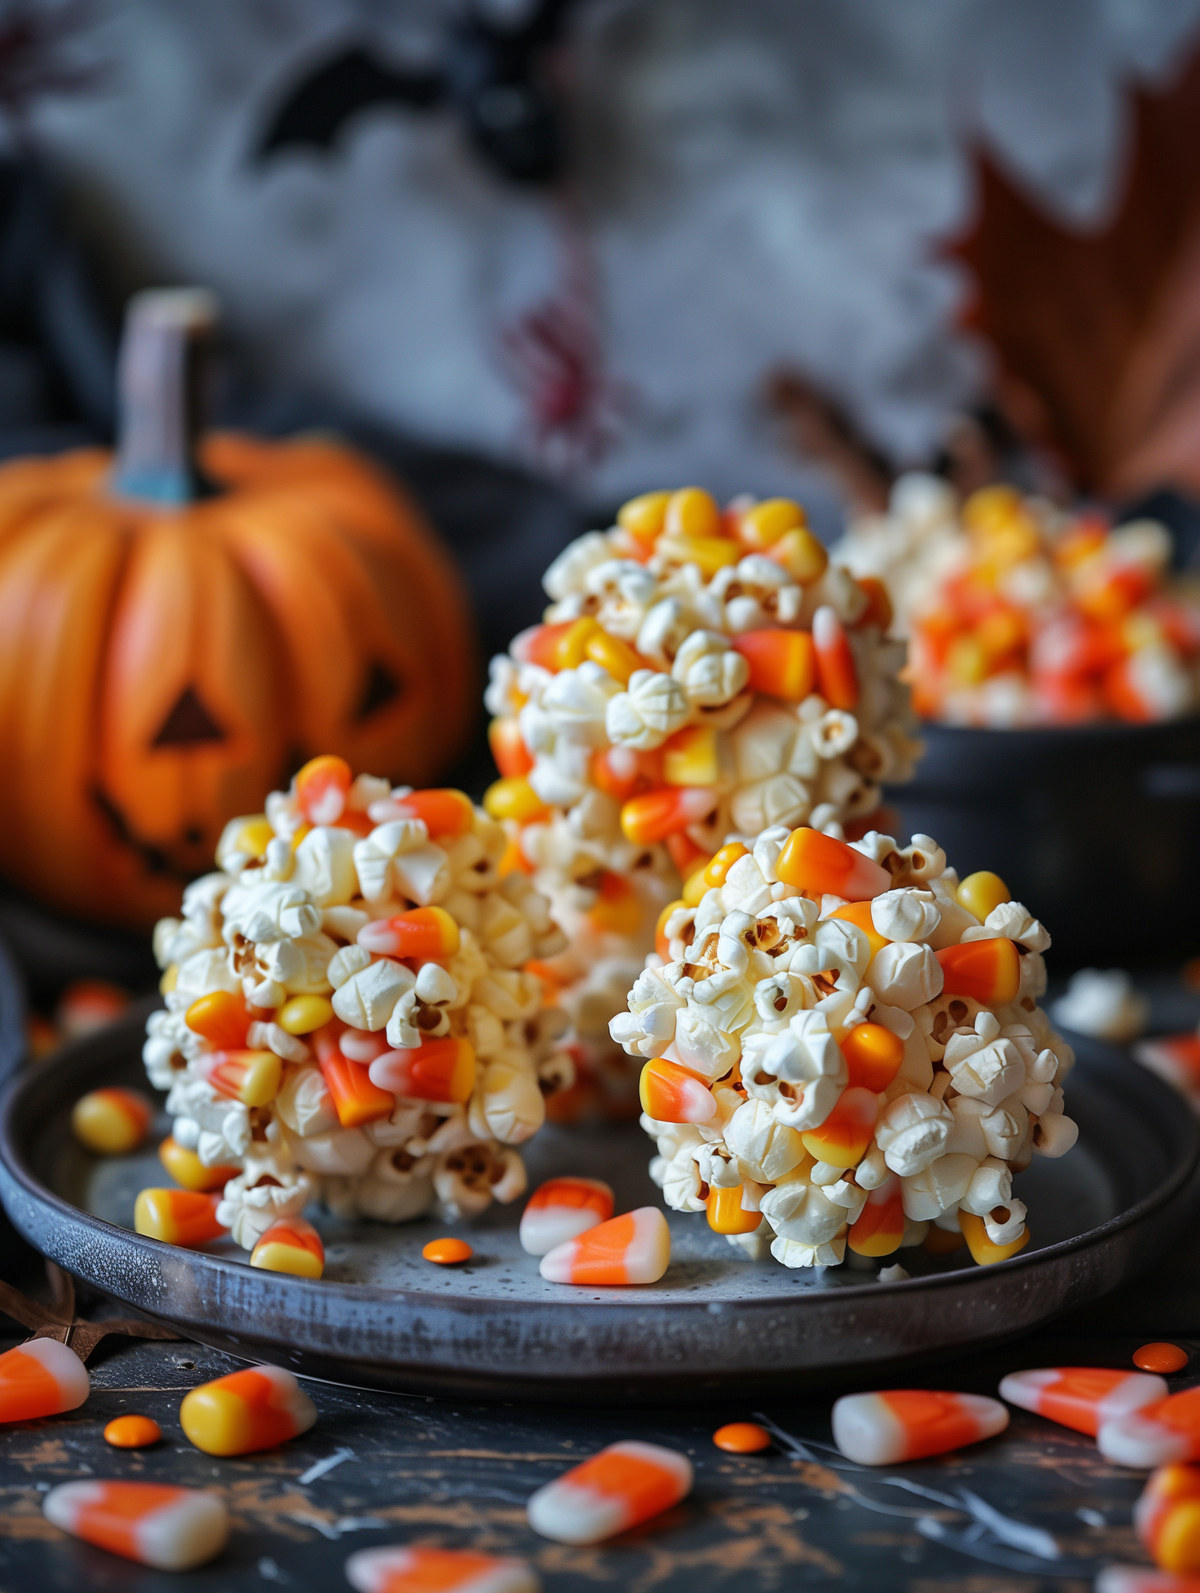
x,y
1097,333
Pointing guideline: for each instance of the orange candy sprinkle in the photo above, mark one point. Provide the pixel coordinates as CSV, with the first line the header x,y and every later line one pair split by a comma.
x,y
1161,1357
742,1438
132,1432
447,1252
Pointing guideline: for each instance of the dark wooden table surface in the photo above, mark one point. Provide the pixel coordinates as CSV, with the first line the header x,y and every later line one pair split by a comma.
x,y
417,1469
457,1474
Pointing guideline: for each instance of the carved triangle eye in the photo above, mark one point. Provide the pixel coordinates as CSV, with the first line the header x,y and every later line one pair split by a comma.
x,y
188,723
382,688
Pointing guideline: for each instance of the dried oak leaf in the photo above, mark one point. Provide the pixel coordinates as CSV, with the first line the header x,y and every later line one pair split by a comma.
x,y
1097,333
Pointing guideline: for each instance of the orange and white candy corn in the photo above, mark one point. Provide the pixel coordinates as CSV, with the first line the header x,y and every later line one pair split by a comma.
x,y
658,814
186,1168
1164,1431
635,1248
908,1423
252,1077
322,786
873,1055
627,1483
837,674
154,1523
988,971
111,1122
820,865
221,1018
357,1099
290,1245
1082,1397
670,1094
1141,1579
880,1225
417,1570
843,1137
247,1411
560,1210
423,932
435,1070
442,812
727,1214
41,1378
87,1005
782,663
1167,1518
177,1216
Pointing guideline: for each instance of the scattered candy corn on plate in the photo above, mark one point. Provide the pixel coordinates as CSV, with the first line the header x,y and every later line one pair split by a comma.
x,y
499,1322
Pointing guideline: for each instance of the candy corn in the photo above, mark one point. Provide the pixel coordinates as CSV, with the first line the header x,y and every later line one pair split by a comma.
x,y
560,1210
859,914
357,1099
513,798
172,1529
837,674
658,814
443,812
1165,1430
726,1213
247,1411
132,1432
40,1378
845,1134
1167,1518
983,1252
1140,1579
111,1122
402,1570
423,932
880,1225
177,1216
221,1018
625,1484
511,755
618,908
692,757
252,1077
670,1094
988,971
435,1070
322,786
87,1005
782,663
635,1248
186,1168
1082,1397
820,865
873,1055
908,1423
290,1245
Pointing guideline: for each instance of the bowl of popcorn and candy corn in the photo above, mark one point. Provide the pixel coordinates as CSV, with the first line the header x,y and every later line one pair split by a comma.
x,y
699,673
1055,662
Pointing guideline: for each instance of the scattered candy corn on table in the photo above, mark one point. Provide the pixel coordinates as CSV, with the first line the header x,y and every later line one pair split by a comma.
x,y
383,1315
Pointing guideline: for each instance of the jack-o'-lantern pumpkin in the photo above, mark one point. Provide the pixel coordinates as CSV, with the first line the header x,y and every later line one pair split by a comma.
x,y
184,624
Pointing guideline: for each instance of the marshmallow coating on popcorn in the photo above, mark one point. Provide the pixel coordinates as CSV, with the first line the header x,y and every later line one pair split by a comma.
x,y
359,951
700,674
824,1130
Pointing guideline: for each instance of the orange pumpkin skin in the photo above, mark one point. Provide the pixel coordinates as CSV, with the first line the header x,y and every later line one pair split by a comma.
x,y
162,668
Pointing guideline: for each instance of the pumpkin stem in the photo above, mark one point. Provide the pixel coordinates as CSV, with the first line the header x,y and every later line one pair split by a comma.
x,y
159,381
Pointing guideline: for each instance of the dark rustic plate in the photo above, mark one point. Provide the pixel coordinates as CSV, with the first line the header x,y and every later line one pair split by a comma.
x,y
384,1317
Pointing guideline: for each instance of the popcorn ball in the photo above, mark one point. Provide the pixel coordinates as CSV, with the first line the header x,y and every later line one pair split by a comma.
x,y
699,674
865,1053
350,1011
1021,613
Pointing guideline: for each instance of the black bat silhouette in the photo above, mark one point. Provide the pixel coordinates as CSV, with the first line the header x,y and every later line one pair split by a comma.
x,y
492,77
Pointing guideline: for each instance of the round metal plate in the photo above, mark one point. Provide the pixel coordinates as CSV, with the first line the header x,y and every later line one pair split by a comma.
x,y
383,1317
